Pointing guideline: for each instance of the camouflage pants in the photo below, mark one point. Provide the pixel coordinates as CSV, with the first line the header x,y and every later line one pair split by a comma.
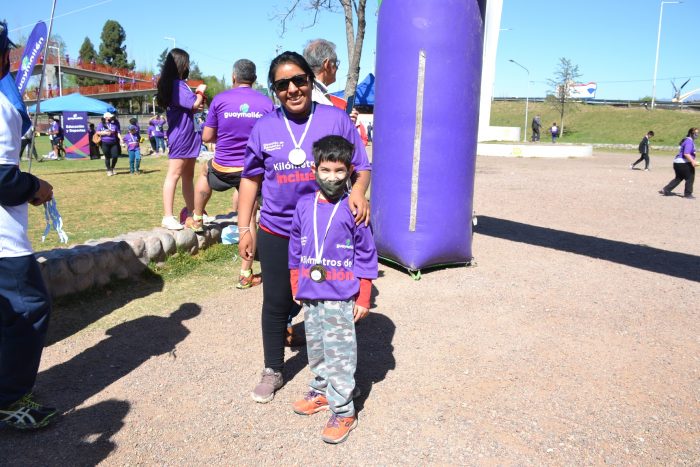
x,y
332,351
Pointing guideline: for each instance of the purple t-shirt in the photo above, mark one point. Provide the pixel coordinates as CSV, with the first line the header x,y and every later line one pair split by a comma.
x,y
283,183
687,147
56,130
132,141
158,124
348,253
183,140
233,114
113,128
151,131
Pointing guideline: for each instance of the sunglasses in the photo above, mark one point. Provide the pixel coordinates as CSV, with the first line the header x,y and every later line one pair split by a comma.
x,y
283,84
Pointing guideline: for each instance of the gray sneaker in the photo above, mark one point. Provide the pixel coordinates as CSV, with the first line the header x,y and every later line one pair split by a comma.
x,y
270,382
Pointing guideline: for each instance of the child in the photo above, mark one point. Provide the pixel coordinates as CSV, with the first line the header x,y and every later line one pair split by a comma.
x,y
644,151
132,140
332,263
554,131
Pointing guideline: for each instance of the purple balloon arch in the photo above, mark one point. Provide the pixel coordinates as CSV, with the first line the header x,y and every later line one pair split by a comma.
x,y
429,60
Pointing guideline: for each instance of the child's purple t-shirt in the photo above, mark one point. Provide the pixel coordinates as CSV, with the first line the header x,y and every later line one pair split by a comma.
x,y
132,141
283,183
234,113
184,142
349,253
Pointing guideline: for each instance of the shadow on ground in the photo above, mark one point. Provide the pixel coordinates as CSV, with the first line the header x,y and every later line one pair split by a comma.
x,y
73,313
670,263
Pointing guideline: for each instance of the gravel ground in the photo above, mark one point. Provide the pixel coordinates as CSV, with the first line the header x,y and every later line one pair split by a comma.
x,y
575,340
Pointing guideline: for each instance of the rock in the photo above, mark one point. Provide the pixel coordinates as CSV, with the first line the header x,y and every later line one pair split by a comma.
x,y
138,246
215,232
60,277
81,263
154,249
84,282
201,240
167,240
186,240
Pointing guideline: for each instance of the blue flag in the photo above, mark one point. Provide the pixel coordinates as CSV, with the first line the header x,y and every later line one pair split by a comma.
x,y
34,48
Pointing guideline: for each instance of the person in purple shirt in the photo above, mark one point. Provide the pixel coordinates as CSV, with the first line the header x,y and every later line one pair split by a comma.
x,y
110,132
132,140
184,141
231,117
56,132
158,124
278,156
684,166
332,262
152,137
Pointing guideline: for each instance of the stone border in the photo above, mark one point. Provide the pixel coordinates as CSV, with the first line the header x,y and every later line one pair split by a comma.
x,y
97,262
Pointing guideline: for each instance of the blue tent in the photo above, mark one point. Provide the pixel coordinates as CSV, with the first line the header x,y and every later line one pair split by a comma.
x,y
74,103
364,94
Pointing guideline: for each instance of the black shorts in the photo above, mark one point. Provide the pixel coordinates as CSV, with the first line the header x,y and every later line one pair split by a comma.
x,y
222,181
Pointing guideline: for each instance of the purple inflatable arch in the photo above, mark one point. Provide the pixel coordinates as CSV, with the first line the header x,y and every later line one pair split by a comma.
x,y
429,59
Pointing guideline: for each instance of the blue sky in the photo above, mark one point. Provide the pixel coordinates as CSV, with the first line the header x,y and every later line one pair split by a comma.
x,y
612,41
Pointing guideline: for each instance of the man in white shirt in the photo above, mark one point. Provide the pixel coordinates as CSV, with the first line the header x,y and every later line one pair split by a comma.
x,y
24,301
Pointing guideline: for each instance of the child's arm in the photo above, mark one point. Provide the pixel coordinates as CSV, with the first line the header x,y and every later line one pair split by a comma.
x,y
365,268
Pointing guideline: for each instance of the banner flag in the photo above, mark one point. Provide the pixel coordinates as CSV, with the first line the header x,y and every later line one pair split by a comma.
x,y
34,48
77,142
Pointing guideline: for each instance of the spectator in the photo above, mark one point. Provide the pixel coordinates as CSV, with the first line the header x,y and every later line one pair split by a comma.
x,y
26,142
94,148
536,128
684,166
158,124
231,118
110,132
554,131
370,128
56,136
181,104
644,151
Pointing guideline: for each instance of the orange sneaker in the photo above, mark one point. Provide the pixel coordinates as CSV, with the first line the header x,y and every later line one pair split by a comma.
x,y
338,429
312,403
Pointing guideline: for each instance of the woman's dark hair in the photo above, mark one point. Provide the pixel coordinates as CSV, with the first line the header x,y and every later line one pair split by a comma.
x,y
176,66
288,57
690,134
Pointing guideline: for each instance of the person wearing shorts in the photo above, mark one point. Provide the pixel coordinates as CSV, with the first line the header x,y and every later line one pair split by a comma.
x,y
232,115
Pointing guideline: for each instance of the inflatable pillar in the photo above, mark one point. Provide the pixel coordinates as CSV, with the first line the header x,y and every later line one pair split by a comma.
x,y
429,60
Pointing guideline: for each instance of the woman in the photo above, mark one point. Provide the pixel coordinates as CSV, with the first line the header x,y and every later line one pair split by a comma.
x,y
110,132
184,142
279,152
684,165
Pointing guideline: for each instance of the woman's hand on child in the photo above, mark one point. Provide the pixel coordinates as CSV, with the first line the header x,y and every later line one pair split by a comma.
x,y
360,312
359,206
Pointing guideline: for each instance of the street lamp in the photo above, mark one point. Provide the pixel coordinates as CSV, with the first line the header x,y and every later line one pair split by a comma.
x,y
170,39
527,97
656,62
58,55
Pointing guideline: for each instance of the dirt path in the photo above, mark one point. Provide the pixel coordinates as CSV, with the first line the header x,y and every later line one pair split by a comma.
x,y
574,341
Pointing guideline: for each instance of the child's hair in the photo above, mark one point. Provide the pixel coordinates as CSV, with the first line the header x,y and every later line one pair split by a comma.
x,y
333,149
133,120
650,133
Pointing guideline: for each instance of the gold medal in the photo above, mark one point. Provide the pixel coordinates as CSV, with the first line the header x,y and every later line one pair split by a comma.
x,y
318,273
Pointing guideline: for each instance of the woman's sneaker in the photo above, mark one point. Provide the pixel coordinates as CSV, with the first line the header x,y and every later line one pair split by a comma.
x,y
25,414
313,402
170,223
338,429
248,279
270,382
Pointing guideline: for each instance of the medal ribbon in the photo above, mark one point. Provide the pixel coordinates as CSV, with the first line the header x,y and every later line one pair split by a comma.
x,y
319,252
306,128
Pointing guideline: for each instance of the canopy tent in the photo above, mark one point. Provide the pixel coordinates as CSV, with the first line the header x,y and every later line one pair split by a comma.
x,y
364,94
74,103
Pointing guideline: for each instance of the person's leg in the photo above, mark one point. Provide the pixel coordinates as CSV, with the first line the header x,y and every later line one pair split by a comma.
x,y
646,161
138,160
108,157
170,185
340,355
641,158
202,192
313,324
680,176
277,296
160,142
116,152
24,313
132,159
152,140
234,201
689,180
188,183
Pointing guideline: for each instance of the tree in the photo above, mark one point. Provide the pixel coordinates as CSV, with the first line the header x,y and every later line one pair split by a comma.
x,y
195,72
112,52
86,54
161,59
214,86
354,12
564,78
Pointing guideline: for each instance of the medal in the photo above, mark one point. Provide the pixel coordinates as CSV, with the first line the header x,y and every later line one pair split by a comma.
x,y
318,273
297,156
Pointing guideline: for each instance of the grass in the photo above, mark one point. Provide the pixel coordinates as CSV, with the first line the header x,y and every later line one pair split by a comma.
x,y
600,123
93,205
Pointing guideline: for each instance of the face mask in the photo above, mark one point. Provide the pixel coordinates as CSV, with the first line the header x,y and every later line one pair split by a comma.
x,y
332,189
